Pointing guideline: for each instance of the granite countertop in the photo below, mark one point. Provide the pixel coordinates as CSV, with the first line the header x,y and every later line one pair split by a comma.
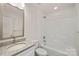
x,y
4,50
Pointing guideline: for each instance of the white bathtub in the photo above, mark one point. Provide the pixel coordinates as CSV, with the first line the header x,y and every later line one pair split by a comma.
x,y
55,52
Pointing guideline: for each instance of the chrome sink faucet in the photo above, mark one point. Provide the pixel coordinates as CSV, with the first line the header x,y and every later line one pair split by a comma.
x,y
14,40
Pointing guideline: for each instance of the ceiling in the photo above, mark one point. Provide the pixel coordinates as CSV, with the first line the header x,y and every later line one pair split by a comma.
x,y
52,7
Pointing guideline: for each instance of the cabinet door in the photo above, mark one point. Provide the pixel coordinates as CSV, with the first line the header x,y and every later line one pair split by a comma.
x,y
28,52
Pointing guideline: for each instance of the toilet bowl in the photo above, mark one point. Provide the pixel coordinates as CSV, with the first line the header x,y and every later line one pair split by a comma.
x,y
40,52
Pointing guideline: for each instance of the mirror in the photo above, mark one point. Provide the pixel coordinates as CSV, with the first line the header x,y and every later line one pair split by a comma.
x,y
13,20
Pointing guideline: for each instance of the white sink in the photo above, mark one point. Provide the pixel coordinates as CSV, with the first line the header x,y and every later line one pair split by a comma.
x,y
16,47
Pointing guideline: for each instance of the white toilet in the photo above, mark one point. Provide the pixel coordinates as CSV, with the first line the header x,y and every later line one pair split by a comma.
x,y
41,52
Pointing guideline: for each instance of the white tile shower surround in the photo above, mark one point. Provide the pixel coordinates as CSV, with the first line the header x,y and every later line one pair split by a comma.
x,y
59,27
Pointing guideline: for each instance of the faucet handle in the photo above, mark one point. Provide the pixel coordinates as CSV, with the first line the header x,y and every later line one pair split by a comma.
x,y
44,37
44,40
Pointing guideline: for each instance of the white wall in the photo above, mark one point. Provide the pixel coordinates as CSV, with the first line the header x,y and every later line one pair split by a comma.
x,y
76,40
59,27
1,30
32,23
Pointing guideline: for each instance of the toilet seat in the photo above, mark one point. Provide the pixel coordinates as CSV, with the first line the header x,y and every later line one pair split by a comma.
x,y
41,52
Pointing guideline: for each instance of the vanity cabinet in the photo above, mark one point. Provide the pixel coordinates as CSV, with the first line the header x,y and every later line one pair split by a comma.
x,y
28,52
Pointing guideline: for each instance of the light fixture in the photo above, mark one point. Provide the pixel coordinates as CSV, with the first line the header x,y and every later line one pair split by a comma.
x,y
55,8
22,4
19,5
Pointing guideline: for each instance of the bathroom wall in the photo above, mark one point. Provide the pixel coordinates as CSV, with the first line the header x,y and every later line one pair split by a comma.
x,y
1,22
76,40
32,22
58,26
